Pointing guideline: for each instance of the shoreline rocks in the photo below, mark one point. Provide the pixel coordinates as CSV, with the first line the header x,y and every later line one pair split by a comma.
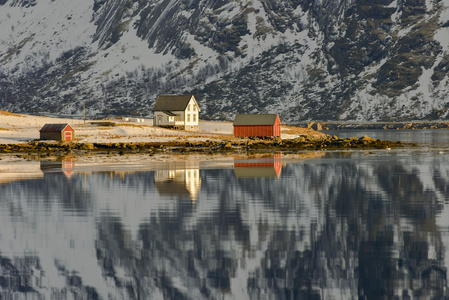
x,y
302,143
376,125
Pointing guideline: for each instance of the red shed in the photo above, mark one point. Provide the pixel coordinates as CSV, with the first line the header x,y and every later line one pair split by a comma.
x,y
59,132
257,125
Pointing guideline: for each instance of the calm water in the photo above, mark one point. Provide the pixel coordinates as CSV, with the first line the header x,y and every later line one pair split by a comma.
x,y
432,138
329,225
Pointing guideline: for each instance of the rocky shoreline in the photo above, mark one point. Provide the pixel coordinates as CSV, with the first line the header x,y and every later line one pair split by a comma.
x,y
46,148
376,125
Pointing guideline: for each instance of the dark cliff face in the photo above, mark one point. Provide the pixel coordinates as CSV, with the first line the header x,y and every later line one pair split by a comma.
x,y
19,3
304,59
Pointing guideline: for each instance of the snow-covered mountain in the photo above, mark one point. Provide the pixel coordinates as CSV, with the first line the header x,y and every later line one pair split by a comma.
x,y
304,59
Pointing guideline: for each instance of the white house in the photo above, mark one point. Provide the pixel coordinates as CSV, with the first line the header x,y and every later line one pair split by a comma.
x,y
176,111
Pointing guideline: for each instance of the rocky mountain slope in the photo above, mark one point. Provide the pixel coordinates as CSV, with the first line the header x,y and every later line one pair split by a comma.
x,y
304,59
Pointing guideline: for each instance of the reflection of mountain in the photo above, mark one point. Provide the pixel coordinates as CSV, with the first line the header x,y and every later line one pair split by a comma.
x,y
265,167
358,228
181,179
325,228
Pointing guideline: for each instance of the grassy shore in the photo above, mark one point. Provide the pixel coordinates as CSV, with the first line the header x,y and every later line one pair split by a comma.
x,y
208,146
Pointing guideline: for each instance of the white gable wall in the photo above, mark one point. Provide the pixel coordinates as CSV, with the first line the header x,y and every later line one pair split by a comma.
x,y
192,113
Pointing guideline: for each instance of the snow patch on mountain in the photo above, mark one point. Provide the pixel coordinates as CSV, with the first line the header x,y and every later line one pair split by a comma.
x,y
32,36
442,35
128,55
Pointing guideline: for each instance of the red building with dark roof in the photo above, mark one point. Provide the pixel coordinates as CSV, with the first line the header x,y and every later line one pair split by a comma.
x,y
257,125
58,132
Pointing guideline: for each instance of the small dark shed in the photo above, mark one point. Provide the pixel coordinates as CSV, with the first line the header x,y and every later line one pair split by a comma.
x,y
59,132
257,125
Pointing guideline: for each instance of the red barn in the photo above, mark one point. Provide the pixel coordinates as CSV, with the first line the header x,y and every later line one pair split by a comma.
x,y
257,125
59,132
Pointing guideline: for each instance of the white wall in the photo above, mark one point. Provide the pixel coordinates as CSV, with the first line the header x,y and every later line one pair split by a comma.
x,y
192,109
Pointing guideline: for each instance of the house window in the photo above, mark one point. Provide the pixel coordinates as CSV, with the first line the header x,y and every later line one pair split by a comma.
x,y
194,118
188,117
178,117
194,107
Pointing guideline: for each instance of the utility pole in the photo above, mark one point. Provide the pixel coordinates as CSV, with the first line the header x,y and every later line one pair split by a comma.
x,y
84,111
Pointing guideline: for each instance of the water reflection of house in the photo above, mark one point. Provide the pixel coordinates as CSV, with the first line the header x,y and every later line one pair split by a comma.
x,y
264,167
179,179
65,166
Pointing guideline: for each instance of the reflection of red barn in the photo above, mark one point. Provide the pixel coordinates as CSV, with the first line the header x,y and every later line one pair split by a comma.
x,y
258,125
268,167
66,166
59,132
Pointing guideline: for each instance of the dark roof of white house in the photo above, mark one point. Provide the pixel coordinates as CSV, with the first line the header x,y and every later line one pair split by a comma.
x,y
169,113
54,127
172,102
255,119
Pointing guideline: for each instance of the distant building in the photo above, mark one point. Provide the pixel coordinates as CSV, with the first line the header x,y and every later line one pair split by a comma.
x,y
58,132
176,111
257,125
